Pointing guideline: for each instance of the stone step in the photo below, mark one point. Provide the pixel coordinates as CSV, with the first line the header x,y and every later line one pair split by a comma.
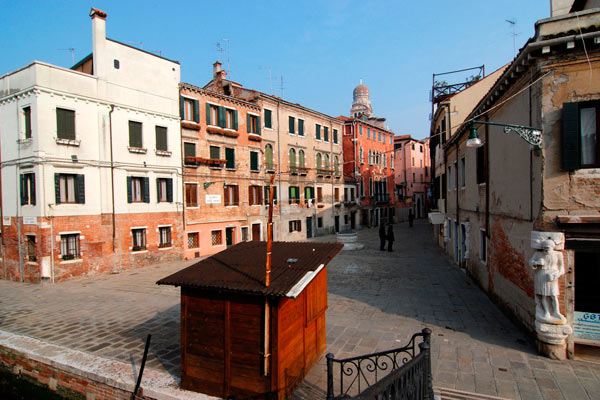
x,y
452,394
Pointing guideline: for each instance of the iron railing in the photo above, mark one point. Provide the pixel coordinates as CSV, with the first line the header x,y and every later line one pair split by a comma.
x,y
401,373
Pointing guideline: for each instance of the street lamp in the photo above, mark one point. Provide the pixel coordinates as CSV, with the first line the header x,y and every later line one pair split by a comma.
x,y
530,135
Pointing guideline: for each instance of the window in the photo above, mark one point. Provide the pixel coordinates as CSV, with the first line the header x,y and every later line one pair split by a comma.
x,y
421,148
421,163
352,193
346,197
269,156
138,237
135,134
482,245
370,158
301,159
69,188
292,160
336,165
191,195
455,174
481,164
161,138
28,189
335,136
300,127
193,240
319,163
267,194
231,120
414,179
230,157
391,139
319,195
27,122
268,118
449,177
319,222
245,236
413,161
317,131
253,124
292,125
189,150
254,195
231,195
294,194
413,146
138,189
254,161
65,124
336,194
296,225
360,130
326,161
216,238
309,195
379,136
189,109
164,236
164,190
360,155
462,172
581,135
212,114
215,153
69,246
31,250
325,134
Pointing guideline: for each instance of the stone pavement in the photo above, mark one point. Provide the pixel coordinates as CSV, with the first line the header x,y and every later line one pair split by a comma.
x,y
377,300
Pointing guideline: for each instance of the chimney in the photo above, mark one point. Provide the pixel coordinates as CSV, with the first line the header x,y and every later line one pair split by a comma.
x,y
218,73
99,42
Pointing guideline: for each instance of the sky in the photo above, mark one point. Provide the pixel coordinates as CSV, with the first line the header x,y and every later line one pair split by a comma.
x,y
309,52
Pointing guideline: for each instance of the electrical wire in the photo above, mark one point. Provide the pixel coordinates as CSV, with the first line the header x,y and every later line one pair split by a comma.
x,y
584,48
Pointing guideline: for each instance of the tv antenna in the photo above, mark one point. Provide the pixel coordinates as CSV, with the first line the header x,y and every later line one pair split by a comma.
x,y
270,78
514,34
282,87
135,44
222,50
72,50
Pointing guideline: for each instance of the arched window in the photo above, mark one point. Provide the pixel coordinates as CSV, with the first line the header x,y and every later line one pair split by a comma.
x,y
326,161
292,160
336,165
301,158
269,156
318,161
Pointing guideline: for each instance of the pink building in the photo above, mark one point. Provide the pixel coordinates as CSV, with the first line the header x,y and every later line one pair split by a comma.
x,y
412,174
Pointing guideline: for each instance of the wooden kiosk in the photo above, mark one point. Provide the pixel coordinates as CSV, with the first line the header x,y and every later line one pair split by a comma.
x,y
243,339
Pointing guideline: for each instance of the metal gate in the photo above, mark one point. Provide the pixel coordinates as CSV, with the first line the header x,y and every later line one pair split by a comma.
x,y
399,374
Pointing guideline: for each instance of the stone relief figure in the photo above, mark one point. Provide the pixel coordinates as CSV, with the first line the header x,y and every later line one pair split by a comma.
x,y
548,266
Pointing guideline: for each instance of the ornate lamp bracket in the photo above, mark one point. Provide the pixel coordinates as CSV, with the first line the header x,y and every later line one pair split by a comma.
x,y
530,135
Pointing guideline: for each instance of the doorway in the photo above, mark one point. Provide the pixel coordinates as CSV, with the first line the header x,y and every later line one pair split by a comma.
x,y
256,232
587,303
309,227
337,224
229,239
353,220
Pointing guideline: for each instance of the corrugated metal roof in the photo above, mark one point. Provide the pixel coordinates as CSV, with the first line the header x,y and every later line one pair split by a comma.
x,y
241,268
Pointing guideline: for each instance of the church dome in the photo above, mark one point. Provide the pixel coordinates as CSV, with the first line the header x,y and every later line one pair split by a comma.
x,y
360,101
361,90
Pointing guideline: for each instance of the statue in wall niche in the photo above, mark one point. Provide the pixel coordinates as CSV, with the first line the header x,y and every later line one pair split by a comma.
x,y
548,266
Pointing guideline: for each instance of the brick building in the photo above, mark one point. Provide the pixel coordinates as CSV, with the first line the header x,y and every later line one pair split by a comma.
x,y
90,163
412,174
369,160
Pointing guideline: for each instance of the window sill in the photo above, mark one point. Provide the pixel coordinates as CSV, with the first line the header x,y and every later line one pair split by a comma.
x,y
165,248
31,263
68,142
191,125
164,153
139,150
255,171
25,142
255,137
77,260
231,169
139,251
232,206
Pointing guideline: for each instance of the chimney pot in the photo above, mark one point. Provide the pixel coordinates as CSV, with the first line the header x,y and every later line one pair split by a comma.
x,y
95,12
216,69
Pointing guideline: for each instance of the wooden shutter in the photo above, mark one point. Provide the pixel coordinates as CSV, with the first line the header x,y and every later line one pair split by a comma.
x,y
135,134
24,198
235,120
65,124
268,119
161,138
146,188
236,195
258,125
230,157
299,225
215,153
189,149
80,189
27,114
169,190
335,136
158,189
222,117
253,161
301,127
208,121
32,196
571,152
318,131
196,111
181,107
292,124
248,123
129,191
226,195
326,134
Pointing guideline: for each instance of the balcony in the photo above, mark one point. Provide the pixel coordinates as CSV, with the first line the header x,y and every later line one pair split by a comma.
x,y
270,168
382,198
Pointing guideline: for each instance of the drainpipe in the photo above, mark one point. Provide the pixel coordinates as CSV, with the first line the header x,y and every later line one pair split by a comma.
x,y
17,198
112,176
279,169
1,211
487,180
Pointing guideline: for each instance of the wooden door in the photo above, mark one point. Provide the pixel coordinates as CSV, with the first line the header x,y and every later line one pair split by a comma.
x,y
256,232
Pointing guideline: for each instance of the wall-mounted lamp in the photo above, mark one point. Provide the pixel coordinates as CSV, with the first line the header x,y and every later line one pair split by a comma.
x,y
74,158
207,184
530,135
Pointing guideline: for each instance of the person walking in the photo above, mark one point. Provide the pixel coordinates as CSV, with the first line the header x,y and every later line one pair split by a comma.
x,y
411,217
382,236
390,237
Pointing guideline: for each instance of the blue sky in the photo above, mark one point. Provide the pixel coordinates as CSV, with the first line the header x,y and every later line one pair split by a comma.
x,y
320,48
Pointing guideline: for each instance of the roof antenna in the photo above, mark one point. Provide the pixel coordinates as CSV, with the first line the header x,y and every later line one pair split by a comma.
x,y
228,58
513,34
72,50
282,87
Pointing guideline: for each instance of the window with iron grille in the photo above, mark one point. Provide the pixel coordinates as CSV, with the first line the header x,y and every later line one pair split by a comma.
x,y
164,236
69,246
217,237
231,195
65,124
138,239
161,138
31,248
135,134
191,195
254,195
193,240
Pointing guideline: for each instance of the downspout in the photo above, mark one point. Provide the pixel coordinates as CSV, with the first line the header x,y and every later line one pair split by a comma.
x,y
1,210
17,198
112,177
279,170
486,155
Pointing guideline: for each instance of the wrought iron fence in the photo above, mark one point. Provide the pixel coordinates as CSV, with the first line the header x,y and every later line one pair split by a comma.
x,y
400,373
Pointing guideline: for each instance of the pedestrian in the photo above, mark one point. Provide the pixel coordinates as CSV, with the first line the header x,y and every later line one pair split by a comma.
x,y
411,217
382,237
390,237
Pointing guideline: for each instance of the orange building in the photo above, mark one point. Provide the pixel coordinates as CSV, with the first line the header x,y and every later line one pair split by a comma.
x,y
412,175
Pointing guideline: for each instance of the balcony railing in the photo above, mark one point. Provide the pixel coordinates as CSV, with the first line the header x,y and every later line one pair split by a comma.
x,y
382,198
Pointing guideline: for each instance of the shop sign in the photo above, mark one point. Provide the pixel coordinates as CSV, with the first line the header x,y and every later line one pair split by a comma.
x,y
587,326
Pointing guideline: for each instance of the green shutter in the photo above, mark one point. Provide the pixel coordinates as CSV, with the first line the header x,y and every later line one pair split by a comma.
x,y
268,119
208,121
235,120
318,131
23,191
32,200
80,189
27,113
146,182
222,117
230,157
158,190
258,125
248,121
196,111
65,124
335,136
292,124
129,193
571,136
301,127
253,161
215,153
161,138
57,188
181,107
326,134
170,190
135,134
